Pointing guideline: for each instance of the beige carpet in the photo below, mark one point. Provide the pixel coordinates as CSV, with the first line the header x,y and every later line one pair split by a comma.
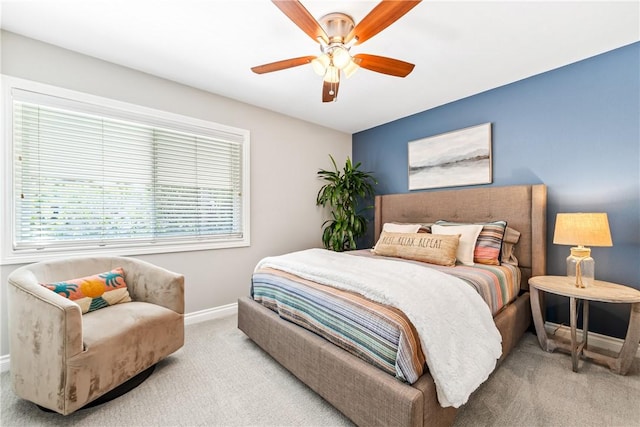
x,y
220,378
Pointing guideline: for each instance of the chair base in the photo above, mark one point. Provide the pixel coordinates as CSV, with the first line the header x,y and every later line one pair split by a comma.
x,y
122,389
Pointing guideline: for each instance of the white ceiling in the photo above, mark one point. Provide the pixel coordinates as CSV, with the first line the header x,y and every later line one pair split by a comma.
x,y
459,48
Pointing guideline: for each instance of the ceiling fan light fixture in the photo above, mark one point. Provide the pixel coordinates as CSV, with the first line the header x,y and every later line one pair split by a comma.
x,y
341,57
350,68
332,75
320,64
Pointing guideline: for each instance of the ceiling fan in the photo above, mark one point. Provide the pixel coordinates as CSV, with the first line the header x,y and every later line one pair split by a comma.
x,y
336,33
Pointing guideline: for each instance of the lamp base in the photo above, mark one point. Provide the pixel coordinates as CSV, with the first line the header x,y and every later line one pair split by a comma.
x,y
581,267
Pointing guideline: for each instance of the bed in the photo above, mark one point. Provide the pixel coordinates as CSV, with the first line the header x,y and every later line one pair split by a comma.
x,y
364,393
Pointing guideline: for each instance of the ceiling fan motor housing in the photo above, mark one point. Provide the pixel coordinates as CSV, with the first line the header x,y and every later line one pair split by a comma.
x,y
337,26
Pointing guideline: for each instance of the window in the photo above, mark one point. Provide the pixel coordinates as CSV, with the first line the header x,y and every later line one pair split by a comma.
x,y
93,174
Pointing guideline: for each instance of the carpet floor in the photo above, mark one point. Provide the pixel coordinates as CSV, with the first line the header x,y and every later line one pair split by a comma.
x,y
220,378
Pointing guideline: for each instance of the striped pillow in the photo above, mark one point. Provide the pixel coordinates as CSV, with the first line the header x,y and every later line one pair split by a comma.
x,y
489,242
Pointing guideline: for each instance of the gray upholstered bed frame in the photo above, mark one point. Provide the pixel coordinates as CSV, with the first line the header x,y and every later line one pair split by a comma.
x,y
365,394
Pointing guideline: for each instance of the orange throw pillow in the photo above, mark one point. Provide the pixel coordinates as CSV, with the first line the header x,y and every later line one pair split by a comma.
x,y
94,292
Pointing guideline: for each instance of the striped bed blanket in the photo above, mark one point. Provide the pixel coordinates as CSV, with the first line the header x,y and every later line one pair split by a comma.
x,y
377,333
378,330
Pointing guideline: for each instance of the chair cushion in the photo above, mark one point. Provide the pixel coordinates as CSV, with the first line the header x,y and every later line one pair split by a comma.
x,y
119,342
123,322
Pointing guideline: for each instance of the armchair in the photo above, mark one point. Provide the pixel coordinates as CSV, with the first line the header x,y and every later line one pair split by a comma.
x,y
62,359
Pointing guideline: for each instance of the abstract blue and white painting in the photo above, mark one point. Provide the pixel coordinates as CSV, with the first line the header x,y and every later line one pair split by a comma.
x,y
461,157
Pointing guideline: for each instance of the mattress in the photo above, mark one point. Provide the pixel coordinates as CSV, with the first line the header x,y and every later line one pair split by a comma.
x,y
379,334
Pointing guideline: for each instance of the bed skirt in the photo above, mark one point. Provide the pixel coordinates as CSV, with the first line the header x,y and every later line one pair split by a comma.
x,y
363,393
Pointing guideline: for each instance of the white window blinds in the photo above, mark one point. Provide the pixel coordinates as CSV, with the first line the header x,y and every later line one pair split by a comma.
x,y
89,176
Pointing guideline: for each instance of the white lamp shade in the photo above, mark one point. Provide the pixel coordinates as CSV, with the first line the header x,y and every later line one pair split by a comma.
x,y
332,75
341,57
351,68
320,64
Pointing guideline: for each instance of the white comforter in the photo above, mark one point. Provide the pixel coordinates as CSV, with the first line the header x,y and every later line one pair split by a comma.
x,y
458,336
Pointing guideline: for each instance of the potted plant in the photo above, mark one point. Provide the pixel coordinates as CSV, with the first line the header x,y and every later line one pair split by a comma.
x,y
343,191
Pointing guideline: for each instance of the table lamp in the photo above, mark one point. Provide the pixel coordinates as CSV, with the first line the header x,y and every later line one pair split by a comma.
x,y
582,229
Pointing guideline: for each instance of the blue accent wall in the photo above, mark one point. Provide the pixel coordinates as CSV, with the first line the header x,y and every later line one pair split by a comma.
x,y
575,129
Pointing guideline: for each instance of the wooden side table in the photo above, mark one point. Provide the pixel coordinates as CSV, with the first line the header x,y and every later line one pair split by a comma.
x,y
602,292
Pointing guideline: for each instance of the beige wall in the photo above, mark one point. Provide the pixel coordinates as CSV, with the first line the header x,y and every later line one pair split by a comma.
x,y
285,155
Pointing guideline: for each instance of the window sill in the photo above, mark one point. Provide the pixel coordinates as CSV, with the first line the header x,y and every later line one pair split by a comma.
x,y
35,255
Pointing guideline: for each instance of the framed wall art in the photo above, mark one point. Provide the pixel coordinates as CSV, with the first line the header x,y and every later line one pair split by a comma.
x,y
452,159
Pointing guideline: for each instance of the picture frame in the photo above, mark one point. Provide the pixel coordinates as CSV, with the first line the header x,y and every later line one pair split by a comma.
x,y
453,159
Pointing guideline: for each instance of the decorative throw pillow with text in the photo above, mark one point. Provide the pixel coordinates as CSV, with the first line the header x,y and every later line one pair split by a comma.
x,y
432,248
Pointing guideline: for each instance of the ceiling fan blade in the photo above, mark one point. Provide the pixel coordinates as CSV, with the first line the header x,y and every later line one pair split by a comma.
x,y
384,65
281,65
329,91
302,18
384,14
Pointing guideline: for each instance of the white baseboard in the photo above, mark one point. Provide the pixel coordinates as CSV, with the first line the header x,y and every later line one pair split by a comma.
x,y
189,319
596,340
211,313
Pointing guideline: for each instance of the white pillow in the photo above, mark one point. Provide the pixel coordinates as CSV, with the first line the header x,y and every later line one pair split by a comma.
x,y
391,227
468,236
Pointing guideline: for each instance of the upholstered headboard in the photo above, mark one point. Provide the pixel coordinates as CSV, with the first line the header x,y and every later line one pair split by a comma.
x,y
522,206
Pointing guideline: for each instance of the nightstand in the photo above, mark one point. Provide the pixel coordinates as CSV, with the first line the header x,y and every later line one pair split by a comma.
x,y
600,291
